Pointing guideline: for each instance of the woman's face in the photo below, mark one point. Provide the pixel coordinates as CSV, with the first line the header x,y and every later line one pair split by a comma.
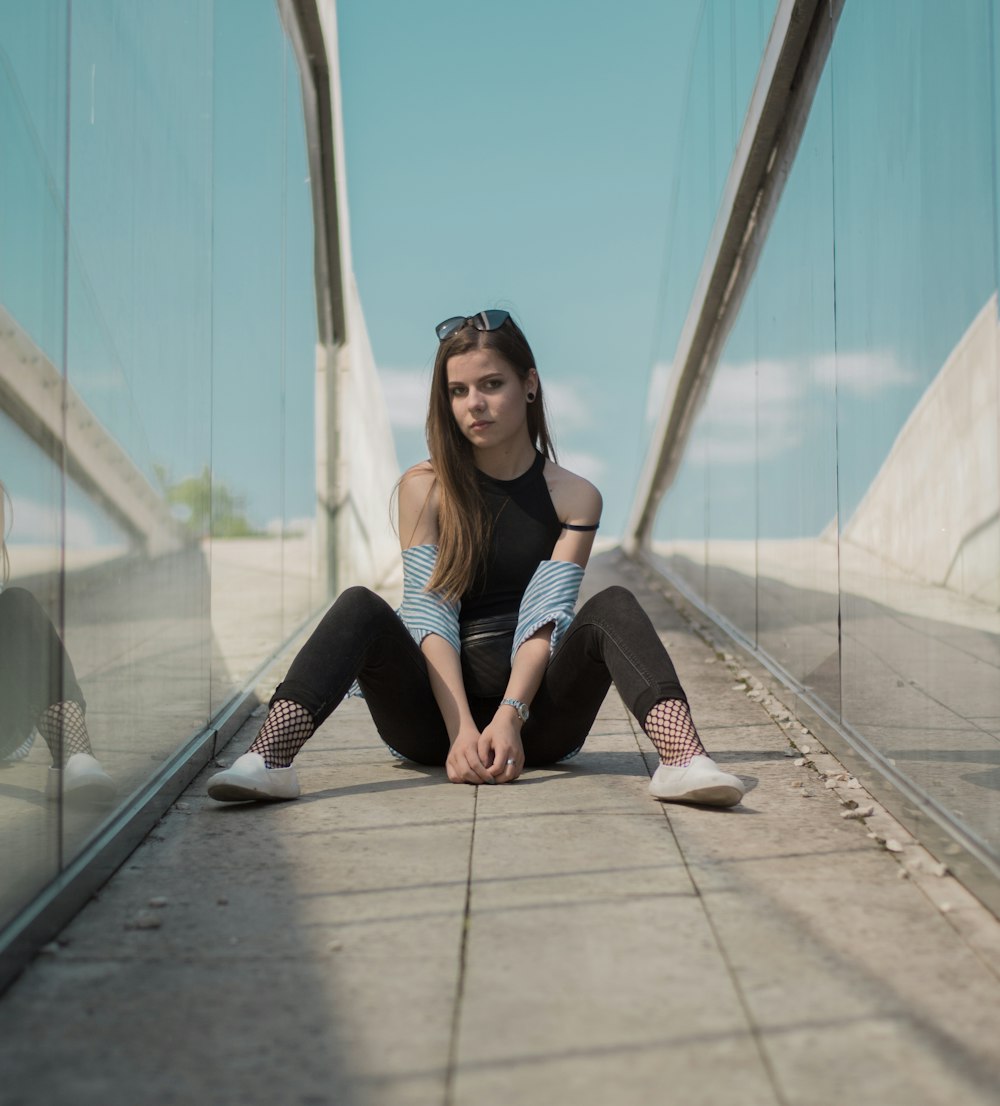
x,y
488,398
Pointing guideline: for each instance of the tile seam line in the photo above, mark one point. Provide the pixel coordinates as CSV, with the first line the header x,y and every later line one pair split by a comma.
x,y
456,1017
753,1028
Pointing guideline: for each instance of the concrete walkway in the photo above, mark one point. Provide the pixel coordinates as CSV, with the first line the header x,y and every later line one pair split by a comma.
x,y
390,938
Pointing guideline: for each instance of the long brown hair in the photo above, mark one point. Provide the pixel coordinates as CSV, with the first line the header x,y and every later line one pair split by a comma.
x,y
463,520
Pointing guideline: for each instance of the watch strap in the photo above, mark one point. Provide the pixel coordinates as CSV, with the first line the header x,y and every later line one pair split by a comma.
x,y
521,708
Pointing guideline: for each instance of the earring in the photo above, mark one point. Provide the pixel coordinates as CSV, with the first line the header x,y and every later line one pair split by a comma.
x,y
531,397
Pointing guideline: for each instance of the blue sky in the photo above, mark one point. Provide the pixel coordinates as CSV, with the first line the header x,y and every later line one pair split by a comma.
x,y
528,156
522,156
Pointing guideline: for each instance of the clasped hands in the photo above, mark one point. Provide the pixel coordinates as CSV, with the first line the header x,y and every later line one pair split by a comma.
x,y
494,755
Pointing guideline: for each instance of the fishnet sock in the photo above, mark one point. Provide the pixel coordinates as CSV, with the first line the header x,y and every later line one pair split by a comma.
x,y
671,729
286,729
64,730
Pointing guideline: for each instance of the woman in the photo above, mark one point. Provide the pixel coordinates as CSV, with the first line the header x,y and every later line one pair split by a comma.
x,y
39,690
485,669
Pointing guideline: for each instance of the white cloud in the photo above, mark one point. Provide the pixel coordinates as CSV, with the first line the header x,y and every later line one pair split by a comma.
x,y
865,372
656,393
37,523
754,408
752,412
588,465
566,404
406,393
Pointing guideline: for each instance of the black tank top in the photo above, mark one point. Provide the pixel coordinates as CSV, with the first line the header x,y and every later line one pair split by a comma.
x,y
525,530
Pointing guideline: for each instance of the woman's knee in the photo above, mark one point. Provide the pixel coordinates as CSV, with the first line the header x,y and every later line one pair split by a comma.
x,y
360,602
611,602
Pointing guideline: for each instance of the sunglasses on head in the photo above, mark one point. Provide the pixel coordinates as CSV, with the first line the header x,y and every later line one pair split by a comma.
x,y
485,320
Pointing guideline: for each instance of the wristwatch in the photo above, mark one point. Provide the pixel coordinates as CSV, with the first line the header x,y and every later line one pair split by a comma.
x,y
521,708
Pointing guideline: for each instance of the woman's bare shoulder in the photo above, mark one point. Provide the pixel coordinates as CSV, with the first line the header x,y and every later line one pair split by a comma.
x,y
422,473
575,499
418,505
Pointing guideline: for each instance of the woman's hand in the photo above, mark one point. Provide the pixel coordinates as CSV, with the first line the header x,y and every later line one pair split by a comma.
x,y
464,763
500,748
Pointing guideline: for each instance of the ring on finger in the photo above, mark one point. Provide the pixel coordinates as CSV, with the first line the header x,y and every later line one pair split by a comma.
x,y
510,763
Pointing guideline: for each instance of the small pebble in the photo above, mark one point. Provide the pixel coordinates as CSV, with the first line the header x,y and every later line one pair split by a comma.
x,y
158,901
902,874
789,752
939,869
222,900
893,845
852,782
806,794
806,749
799,762
860,812
145,920
737,687
50,949
946,908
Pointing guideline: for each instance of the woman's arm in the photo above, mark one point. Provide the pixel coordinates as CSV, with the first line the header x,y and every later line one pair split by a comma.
x,y
578,503
418,527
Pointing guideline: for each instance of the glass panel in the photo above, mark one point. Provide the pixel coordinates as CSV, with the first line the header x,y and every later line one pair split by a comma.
x,y
157,372
730,418
34,666
713,497
724,63
138,379
796,412
680,530
247,479
304,584
917,395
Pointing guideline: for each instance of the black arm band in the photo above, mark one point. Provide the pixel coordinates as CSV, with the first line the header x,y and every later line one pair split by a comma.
x,y
573,526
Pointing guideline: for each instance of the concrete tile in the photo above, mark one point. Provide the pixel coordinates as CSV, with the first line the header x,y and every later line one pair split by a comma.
x,y
602,948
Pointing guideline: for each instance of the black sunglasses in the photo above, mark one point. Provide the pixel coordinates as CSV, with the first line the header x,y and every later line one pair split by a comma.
x,y
485,320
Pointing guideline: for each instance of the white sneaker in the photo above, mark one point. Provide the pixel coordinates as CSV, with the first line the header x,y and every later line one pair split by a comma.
x,y
701,781
83,780
250,779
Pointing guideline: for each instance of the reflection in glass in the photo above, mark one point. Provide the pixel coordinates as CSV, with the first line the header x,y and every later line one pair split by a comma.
x,y
731,507
797,586
32,318
157,371
918,417
868,351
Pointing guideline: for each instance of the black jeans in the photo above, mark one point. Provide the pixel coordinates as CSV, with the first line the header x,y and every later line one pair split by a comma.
x,y
35,669
610,640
